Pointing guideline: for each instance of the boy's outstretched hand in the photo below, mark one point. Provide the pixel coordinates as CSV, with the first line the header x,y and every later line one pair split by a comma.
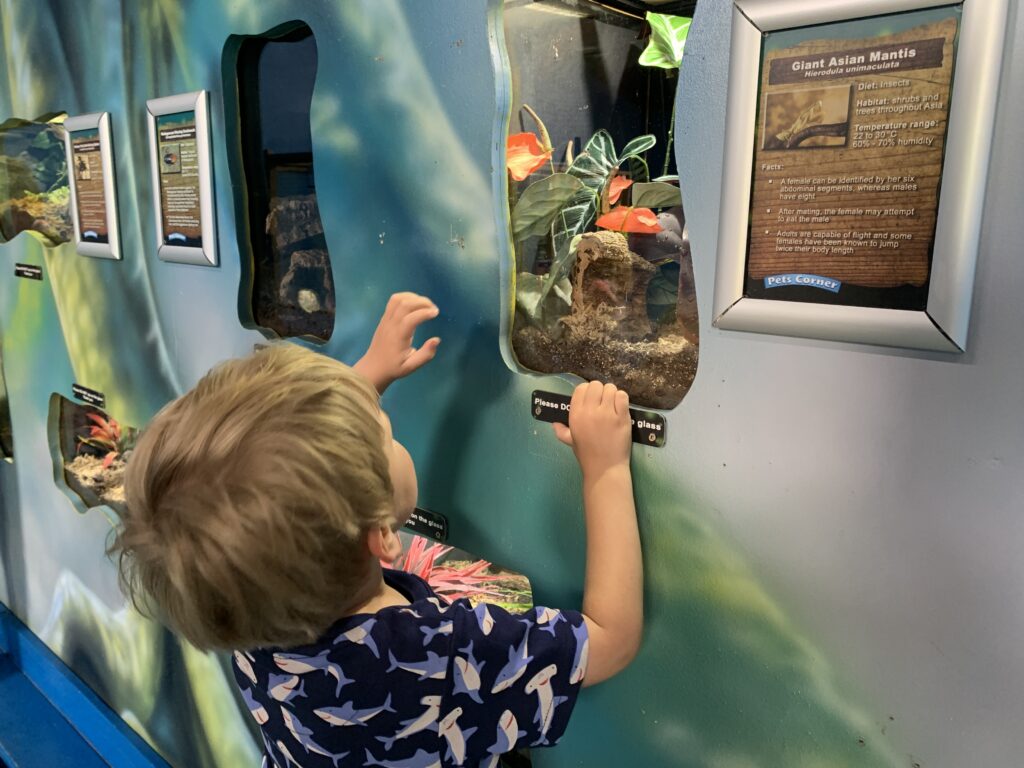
x,y
391,354
600,428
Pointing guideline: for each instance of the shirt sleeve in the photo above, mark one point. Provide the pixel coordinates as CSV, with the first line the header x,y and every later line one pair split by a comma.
x,y
515,677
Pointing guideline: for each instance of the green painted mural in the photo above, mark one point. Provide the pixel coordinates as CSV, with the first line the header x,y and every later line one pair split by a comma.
x,y
409,116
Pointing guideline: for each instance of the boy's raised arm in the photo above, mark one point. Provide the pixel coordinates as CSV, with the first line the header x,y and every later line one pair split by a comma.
x,y
599,432
391,354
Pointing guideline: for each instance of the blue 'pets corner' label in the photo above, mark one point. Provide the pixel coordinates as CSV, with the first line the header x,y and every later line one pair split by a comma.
x,y
807,281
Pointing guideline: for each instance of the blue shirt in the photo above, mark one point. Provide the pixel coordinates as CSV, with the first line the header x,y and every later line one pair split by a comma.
x,y
427,685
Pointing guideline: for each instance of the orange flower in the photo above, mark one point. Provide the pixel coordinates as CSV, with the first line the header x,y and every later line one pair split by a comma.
x,y
619,185
628,219
525,155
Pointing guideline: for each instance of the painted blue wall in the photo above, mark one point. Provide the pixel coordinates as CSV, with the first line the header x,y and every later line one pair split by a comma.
x,y
821,591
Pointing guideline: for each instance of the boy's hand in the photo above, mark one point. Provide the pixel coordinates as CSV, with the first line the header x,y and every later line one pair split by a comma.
x,y
391,354
600,428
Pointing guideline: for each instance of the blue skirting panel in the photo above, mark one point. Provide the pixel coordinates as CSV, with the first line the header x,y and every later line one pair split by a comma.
x,y
50,718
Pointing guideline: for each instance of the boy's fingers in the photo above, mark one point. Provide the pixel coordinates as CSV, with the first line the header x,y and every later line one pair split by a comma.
x,y
422,356
401,303
621,402
578,395
562,433
413,301
592,395
608,395
418,316
393,302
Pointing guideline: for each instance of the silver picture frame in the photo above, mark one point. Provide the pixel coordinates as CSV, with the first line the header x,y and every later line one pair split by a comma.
x,y
943,325
205,253
100,122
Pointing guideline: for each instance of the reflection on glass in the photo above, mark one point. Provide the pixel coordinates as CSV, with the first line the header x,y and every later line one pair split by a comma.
x,y
604,281
34,193
94,449
292,285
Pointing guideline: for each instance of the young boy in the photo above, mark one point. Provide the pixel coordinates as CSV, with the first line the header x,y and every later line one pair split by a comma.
x,y
260,505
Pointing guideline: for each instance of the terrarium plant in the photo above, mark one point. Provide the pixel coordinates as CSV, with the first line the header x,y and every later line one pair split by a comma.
x,y
106,436
452,574
95,471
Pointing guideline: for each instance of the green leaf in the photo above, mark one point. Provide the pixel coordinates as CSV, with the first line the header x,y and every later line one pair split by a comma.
x,y
541,202
593,167
663,291
571,221
540,308
595,163
655,195
48,138
602,147
637,168
668,38
638,145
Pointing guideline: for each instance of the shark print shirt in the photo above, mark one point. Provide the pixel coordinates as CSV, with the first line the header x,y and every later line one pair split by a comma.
x,y
425,685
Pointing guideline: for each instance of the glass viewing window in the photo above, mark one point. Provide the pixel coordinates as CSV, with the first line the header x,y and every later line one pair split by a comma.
x,y
290,280
603,279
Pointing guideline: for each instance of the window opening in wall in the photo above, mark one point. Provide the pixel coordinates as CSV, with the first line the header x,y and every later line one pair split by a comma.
x,y
603,277
6,432
292,288
34,193
94,449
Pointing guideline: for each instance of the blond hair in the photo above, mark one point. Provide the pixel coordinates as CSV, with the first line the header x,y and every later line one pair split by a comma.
x,y
249,499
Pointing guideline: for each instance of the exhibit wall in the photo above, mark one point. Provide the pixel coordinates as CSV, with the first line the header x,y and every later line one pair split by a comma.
x,y
831,532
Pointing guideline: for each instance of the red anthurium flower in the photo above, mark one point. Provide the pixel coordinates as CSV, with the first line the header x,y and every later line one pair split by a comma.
x,y
525,155
619,185
627,219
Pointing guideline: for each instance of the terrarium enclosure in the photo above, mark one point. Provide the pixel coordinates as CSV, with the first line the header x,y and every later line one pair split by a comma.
x,y
34,194
603,280
93,449
290,289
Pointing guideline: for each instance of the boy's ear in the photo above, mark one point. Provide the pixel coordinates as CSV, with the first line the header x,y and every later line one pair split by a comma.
x,y
383,543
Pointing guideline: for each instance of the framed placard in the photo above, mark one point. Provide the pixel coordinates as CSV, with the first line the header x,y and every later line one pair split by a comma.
x,y
179,147
90,157
857,146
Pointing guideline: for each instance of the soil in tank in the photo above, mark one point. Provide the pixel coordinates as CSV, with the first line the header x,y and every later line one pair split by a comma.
x,y
613,330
